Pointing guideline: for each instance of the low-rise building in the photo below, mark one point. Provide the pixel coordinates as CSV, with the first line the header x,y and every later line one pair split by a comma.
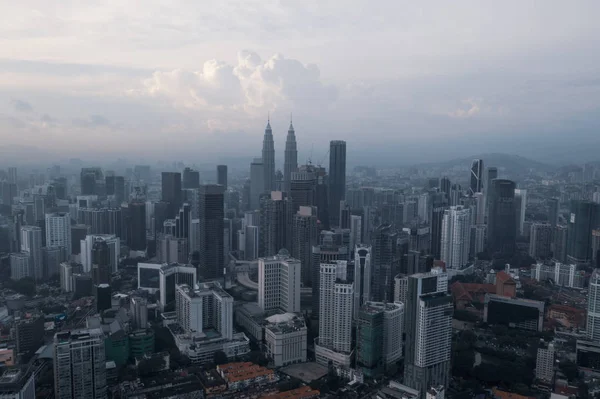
x,y
242,374
285,339
304,392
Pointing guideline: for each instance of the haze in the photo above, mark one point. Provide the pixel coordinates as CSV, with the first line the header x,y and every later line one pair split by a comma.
x,y
400,81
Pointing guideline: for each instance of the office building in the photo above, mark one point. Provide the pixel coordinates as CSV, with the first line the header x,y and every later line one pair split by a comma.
x,y
492,173
330,249
385,262
20,265
268,160
544,365
520,207
58,231
12,175
428,329
476,182
400,288
101,263
584,217
191,179
66,277
279,283
91,180
540,240
285,339
138,308
29,336
222,176
355,231
519,313
334,343
502,220
593,308
211,231
303,186
337,179
553,208
31,242
155,277
87,251
80,364
257,182
171,191
362,277
290,158
103,296
251,242
456,236
135,225
171,249
78,233
305,235
439,205
276,219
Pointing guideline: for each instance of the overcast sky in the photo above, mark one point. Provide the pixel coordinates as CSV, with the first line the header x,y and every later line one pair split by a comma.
x,y
403,80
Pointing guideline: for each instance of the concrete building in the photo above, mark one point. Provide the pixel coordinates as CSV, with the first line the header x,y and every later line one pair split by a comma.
x,y
87,245
153,277
400,288
362,277
519,313
544,365
561,274
257,182
305,235
170,249
58,231
138,308
335,316
456,236
279,283
285,339
66,277
540,240
429,311
520,207
593,308
276,222
20,265
17,383
31,242
80,364
337,179
355,232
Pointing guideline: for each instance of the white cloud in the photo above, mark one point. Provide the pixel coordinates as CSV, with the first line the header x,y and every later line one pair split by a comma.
x,y
469,109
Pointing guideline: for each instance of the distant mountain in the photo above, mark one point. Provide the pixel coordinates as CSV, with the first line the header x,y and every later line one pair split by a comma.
x,y
514,163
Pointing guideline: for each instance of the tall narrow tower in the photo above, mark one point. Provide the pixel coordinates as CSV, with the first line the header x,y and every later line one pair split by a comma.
x,y
268,157
291,158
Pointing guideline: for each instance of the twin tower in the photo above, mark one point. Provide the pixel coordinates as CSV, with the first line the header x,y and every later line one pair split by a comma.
x,y
268,157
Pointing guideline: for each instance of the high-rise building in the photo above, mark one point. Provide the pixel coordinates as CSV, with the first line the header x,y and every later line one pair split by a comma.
x,y
559,243
101,263
191,179
520,207
329,250
29,336
400,288
80,364
583,219
362,277
291,158
544,365
58,230
501,220
445,186
593,308
12,175
553,206
492,173
31,242
20,265
337,179
211,231
276,220
303,186
456,236
279,283
222,176
52,257
171,191
90,179
170,249
385,262
138,308
439,206
203,309
476,182
135,225
257,182
540,240
268,159
103,296
335,315
428,319
305,232
87,251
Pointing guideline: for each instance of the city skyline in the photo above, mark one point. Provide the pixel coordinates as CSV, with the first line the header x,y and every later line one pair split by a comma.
x,y
416,85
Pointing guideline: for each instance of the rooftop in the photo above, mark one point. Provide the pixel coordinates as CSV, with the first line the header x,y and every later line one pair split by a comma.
x,y
285,323
298,393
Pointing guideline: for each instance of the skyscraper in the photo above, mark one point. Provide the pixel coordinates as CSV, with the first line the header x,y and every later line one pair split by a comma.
x,y
191,178
222,175
12,175
291,158
520,207
304,237
276,220
101,263
330,249
501,221
257,182
386,262
171,191
335,315
362,277
337,179
428,318
456,235
492,173
553,211
445,185
31,242
593,308
476,183
20,265
355,232
540,240
79,364
303,187
136,225
279,283
211,231
58,230
439,206
583,219
268,159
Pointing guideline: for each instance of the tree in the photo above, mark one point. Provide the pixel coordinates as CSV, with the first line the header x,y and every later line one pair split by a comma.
x,y
569,369
220,358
